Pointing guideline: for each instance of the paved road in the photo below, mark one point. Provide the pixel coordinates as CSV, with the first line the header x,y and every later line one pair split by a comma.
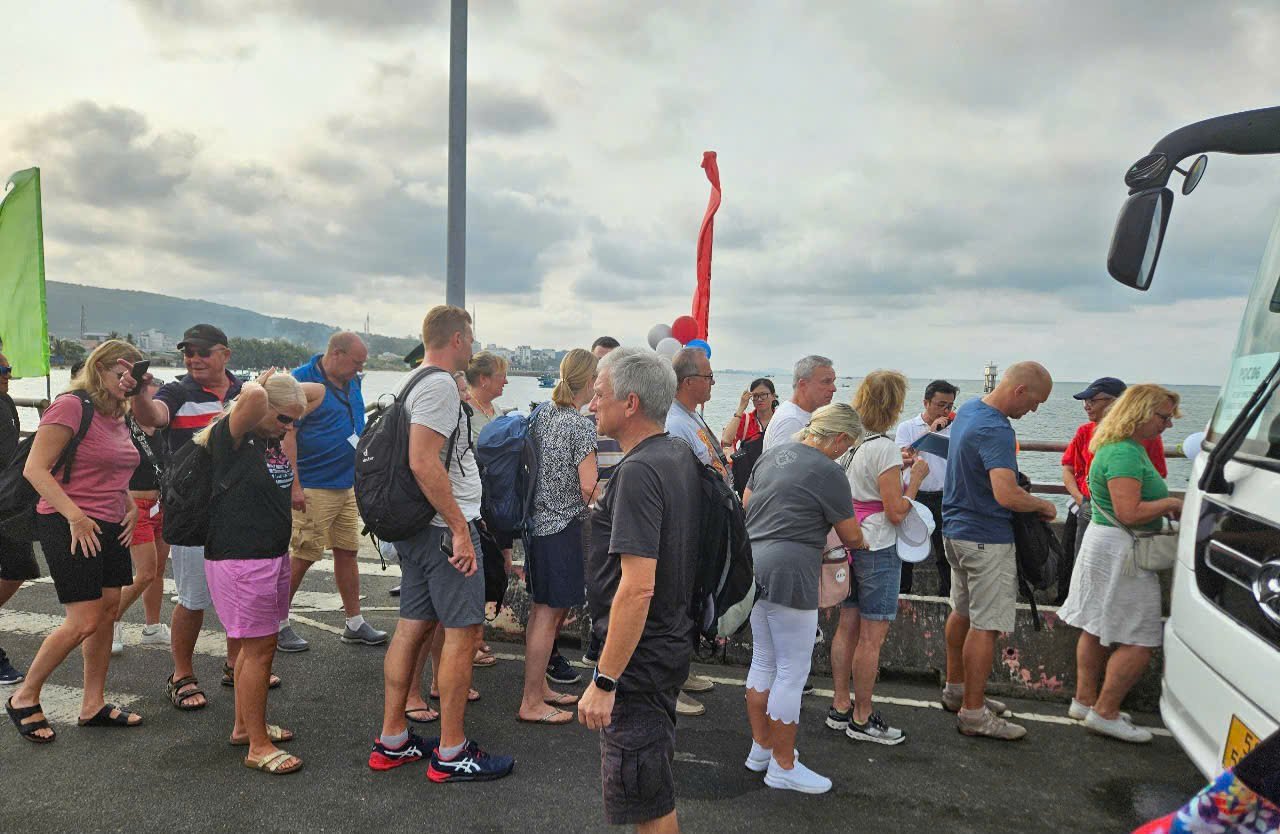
x,y
177,774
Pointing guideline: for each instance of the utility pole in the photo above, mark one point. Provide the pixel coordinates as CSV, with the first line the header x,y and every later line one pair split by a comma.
x,y
456,257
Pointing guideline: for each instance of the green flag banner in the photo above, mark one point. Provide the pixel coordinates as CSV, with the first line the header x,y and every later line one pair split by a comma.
x,y
24,328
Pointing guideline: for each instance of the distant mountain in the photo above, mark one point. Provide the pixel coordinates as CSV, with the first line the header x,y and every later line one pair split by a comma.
x,y
130,311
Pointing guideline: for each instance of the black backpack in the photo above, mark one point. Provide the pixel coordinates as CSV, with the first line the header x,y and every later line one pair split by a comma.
x,y
724,587
187,493
387,494
1039,553
18,498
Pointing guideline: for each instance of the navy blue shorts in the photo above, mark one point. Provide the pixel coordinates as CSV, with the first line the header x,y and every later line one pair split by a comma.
x,y
554,570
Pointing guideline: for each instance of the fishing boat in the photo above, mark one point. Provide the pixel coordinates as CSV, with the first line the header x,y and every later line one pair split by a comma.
x,y
547,381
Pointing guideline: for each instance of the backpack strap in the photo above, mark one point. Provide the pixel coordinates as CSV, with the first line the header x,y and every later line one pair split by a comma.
x,y
453,437
68,457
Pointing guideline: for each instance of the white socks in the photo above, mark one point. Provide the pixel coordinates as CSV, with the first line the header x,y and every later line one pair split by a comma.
x,y
355,622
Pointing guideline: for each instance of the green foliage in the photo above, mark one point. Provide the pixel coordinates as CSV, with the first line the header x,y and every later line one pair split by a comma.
x,y
259,354
67,351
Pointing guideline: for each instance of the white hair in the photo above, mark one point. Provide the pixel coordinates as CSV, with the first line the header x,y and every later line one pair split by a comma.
x,y
806,366
646,374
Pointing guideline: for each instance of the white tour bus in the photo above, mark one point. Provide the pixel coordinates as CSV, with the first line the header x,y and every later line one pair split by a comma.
x,y
1221,691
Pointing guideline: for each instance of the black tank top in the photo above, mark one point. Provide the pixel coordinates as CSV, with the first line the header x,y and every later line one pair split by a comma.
x,y
150,463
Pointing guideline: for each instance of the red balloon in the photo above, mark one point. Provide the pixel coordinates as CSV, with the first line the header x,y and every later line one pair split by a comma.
x,y
684,329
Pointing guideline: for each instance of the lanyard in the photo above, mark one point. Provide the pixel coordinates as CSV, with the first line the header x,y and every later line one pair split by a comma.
x,y
340,396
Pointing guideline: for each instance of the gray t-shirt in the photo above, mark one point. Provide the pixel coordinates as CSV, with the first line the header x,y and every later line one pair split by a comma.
x,y
797,495
565,438
692,429
435,403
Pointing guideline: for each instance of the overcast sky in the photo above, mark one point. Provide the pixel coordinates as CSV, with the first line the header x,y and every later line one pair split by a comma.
x,y
922,186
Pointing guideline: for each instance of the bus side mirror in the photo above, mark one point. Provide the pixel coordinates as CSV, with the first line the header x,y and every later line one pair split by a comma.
x,y
1138,236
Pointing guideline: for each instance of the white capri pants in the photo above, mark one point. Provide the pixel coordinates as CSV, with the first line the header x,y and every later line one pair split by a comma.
x,y
781,655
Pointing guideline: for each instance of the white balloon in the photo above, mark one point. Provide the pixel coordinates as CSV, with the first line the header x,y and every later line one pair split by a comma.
x,y
1191,446
668,347
657,333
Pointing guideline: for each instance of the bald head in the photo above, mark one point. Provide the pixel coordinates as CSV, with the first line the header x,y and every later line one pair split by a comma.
x,y
1024,387
344,357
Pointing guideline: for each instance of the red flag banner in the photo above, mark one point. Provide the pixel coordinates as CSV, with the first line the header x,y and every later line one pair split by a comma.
x,y
702,295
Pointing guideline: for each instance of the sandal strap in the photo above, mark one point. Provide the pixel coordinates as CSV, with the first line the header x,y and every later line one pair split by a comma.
x,y
272,763
22,712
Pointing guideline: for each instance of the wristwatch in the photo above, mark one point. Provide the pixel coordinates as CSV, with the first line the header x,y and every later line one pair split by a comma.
x,y
603,682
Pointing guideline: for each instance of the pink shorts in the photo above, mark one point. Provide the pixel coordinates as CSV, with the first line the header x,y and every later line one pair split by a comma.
x,y
251,596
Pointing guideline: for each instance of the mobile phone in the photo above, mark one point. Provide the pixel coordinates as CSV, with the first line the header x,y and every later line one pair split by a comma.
x,y
446,545
138,371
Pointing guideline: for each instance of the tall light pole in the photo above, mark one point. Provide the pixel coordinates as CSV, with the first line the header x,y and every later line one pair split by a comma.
x,y
456,257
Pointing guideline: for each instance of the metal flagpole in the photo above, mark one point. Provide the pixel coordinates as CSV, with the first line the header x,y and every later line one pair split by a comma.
x,y
456,257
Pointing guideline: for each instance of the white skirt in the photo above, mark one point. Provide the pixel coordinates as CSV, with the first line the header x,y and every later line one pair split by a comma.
x,y
1107,603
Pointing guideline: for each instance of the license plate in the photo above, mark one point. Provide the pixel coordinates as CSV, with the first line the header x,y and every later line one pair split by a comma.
x,y
1240,740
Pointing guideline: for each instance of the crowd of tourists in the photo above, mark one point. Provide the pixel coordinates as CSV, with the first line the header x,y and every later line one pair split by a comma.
x,y
613,525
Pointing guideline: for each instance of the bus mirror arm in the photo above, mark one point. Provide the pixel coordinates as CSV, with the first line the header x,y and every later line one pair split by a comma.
x,y
1212,480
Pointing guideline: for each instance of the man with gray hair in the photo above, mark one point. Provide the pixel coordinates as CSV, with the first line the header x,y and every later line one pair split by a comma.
x,y
640,574
323,450
813,386
694,381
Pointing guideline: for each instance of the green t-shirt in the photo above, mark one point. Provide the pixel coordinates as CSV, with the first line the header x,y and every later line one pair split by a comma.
x,y
1124,459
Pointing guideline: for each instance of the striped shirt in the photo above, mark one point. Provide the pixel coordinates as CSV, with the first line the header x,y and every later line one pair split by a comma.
x,y
192,407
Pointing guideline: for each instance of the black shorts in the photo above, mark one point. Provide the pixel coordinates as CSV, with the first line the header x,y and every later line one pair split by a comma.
x,y
554,570
636,752
78,578
17,561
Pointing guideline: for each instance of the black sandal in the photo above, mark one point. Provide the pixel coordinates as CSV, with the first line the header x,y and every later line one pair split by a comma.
x,y
104,718
176,697
28,730
229,678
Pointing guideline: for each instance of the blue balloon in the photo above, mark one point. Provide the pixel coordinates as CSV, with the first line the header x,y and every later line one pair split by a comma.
x,y
701,345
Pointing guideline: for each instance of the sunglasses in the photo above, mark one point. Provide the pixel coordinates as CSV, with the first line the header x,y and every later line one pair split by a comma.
x,y
284,419
203,353
5,370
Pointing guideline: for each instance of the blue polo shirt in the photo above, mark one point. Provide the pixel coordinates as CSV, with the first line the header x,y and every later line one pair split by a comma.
x,y
981,440
326,458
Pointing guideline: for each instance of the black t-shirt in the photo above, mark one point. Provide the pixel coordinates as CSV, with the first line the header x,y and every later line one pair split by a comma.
x,y
651,509
9,428
151,456
252,518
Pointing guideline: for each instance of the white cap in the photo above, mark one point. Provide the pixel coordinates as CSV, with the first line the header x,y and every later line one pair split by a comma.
x,y
914,533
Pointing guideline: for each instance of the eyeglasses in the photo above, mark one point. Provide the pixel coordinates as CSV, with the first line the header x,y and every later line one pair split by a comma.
x,y
1100,399
708,377
203,353
766,395
1166,418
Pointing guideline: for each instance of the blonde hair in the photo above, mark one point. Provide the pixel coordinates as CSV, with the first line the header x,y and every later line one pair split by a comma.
x,y
577,369
1134,407
879,399
832,420
106,354
485,363
441,323
283,391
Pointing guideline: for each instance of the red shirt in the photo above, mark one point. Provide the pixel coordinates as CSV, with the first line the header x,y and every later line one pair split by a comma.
x,y
1078,456
748,428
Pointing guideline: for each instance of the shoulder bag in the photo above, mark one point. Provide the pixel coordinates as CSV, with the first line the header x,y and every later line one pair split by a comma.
x,y
1153,550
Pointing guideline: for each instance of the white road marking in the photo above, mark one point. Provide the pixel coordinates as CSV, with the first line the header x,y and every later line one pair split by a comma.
x,y
307,621
211,643
691,759
1038,717
62,703
366,568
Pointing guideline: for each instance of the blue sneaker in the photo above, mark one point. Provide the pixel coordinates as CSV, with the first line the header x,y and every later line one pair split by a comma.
x,y
414,749
471,765
9,675
559,671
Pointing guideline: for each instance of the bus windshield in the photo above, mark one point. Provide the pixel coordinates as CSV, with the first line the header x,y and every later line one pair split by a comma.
x,y
1257,350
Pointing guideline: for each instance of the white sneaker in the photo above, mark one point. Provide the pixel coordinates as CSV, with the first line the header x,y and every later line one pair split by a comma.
x,y
1120,728
1079,712
758,759
990,725
798,778
156,634
117,639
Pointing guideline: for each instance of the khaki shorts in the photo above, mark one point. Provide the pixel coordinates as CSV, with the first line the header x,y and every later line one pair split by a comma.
x,y
984,583
331,520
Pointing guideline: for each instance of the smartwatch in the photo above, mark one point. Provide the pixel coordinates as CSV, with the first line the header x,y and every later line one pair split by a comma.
x,y
603,682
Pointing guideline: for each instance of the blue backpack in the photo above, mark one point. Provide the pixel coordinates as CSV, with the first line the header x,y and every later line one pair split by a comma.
x,y
509,462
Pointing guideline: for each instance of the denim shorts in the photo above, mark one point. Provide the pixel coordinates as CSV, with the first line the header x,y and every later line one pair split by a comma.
x,y
873,588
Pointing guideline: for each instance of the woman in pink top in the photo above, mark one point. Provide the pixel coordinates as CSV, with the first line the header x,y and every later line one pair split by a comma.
x,y
84,524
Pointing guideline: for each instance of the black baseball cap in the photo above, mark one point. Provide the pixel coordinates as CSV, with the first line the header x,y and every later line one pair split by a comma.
x,y
1103,385
203,336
